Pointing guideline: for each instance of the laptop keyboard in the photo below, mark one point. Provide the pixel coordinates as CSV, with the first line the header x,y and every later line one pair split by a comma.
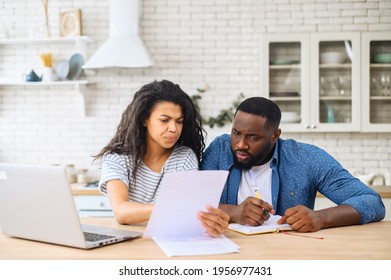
x,y
89,236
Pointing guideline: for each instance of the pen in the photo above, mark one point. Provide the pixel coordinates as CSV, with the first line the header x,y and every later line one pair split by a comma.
x,y
257,195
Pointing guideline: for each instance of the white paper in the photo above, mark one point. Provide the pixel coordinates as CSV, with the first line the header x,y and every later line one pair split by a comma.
x,y
191,246
174,224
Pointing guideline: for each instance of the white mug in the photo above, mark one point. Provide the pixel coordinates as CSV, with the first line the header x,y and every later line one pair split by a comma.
x,y
48,75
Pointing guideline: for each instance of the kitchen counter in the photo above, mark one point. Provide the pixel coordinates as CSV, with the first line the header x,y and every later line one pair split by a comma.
x,y
383,191
80,189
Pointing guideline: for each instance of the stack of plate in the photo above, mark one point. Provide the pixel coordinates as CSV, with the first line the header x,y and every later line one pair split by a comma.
x,y
70,70
290,117
75,66
332,57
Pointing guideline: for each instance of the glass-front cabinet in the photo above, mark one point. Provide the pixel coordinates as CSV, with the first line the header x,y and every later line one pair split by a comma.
x,y
376,82
314,78
335,81
284,77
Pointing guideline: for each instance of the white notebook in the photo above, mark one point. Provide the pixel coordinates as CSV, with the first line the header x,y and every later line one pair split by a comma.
x,y
270,225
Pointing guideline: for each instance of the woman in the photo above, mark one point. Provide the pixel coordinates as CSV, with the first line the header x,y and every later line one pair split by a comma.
x,y
159,132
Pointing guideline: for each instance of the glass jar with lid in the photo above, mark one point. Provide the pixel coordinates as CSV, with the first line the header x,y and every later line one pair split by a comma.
x,y
82,177
71,172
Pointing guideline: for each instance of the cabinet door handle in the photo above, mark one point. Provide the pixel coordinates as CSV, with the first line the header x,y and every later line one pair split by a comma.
x,y
102,204
313,126
306,126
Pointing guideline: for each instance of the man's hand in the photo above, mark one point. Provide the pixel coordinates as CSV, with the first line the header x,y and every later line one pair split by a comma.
x,y
302,219
251,211
215,221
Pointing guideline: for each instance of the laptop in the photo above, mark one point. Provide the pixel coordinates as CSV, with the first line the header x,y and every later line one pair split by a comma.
x,y
36,203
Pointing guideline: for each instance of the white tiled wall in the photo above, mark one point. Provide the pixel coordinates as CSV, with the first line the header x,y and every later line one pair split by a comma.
x,y
193,42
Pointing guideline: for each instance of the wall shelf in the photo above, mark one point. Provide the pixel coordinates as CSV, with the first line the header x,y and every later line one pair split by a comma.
x,y
40,41
80,85
80,42
42,84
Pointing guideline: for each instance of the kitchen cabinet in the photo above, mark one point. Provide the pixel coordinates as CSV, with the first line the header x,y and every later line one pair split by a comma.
x,y
93,205
13,77
376,82
285,77
315,79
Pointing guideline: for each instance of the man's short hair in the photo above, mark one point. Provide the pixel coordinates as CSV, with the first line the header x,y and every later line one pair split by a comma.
x,y
263,107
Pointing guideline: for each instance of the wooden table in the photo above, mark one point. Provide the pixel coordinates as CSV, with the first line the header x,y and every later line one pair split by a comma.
x,y
367,242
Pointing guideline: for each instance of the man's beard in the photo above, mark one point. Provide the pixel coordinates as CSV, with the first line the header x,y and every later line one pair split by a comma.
x,y
245,166
253,160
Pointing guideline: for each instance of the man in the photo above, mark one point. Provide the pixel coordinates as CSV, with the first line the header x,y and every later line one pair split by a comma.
x,y
287,175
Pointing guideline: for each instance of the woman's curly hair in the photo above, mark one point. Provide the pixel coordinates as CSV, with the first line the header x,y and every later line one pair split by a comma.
x,y
130,138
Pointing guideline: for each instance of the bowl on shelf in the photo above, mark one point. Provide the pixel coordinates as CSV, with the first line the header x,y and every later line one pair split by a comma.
x,y
382,58
332,57
289,117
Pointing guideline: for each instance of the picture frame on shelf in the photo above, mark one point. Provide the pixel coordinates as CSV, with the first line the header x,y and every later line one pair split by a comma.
x,y
70,23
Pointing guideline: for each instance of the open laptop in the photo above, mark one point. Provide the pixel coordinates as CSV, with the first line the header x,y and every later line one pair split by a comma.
x,y
36,203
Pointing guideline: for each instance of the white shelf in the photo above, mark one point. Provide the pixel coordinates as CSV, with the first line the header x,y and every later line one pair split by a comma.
x,y
54,83
380,65
79,41
81,86
380,97
336,98
41,41
335,66
290,66
298,99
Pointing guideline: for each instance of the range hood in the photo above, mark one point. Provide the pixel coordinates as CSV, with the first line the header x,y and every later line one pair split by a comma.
x,y
124,47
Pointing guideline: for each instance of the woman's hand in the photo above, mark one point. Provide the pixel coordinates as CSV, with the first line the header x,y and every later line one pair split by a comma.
x,y
215,221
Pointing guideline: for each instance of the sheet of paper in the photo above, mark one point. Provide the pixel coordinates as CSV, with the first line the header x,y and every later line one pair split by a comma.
x,y
191,246
174,224
181,196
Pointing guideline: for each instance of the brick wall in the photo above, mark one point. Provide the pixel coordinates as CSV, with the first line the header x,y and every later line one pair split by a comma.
x,y
193,42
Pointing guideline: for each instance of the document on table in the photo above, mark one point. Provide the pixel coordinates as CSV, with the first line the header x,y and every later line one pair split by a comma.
x,y
174,224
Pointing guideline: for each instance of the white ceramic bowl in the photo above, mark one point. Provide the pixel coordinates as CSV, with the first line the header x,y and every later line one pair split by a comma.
x,y
332,57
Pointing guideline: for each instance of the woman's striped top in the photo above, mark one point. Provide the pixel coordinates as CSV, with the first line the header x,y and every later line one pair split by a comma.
x,y
145,188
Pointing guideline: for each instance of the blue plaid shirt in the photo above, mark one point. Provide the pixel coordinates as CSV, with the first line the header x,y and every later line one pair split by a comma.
x,y
299,170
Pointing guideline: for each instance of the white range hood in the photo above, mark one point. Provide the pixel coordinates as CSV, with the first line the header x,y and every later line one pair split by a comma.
x,y
124,47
